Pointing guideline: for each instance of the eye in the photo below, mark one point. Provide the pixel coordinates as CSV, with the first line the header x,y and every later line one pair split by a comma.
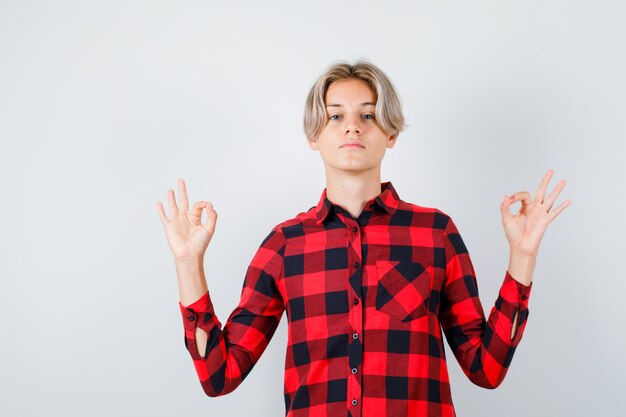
x,y
367,116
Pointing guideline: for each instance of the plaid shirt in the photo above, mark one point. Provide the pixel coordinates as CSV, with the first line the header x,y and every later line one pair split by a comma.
x,y
366,302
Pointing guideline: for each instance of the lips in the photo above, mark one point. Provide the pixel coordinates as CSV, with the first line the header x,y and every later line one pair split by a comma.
x,y
352,144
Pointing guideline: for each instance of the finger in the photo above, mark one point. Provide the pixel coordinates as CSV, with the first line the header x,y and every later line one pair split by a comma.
x,y
553,213
541,190
523,196
172,201
549,201
162,215
182,191
197,208
211,214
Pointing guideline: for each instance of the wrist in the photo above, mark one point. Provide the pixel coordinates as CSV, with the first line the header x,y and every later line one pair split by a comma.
x,y
189,261
518,251
192,283
521,266
189,269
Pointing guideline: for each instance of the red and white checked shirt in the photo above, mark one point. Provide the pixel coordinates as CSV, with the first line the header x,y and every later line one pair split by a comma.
x,y
366,302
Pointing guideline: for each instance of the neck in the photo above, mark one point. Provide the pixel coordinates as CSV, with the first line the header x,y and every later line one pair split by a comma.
x,y
352,191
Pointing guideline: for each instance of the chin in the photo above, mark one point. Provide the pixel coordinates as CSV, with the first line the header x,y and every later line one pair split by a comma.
x,y
353,167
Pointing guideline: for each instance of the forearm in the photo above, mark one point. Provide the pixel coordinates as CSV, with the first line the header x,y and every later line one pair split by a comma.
x,y
485,352
221,362
484,347
191,280
192,286
224,354
522,266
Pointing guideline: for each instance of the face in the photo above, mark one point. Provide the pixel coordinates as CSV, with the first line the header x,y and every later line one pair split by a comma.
x,y
350,109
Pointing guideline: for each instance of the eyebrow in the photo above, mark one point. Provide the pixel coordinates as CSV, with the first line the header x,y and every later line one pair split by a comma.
x,y
367,103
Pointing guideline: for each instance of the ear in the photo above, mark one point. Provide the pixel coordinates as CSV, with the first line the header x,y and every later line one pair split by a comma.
x,y
392,141
313,144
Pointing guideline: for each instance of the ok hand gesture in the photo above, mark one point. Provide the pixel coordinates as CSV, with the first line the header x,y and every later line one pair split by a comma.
x,y
525,229
187,237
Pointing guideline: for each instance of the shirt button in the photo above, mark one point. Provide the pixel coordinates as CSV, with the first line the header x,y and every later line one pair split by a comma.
x,y
355,336
355,229
354,402
524,297
356,264
354,370
191,318
356,301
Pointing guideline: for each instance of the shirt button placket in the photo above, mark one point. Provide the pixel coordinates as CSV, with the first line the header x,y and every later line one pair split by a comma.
x,y
355,277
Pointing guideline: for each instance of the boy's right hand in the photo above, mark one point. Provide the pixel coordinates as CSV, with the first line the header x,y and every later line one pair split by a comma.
x,y
187,237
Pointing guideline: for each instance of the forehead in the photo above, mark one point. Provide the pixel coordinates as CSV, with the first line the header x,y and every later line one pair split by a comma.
x,y
349,91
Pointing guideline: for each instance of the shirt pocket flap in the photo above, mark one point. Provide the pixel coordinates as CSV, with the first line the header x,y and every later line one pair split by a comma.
x,y
403,289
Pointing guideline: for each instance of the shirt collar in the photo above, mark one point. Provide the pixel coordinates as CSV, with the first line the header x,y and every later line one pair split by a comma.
x,y
387,199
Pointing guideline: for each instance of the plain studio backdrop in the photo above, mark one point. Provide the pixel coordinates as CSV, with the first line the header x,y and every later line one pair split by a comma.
x,y
104,105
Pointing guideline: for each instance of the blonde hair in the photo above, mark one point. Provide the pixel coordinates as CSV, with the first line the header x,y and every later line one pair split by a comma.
x,y
388,107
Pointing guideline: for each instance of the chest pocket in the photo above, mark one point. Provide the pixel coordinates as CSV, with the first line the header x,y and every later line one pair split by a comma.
x,y
403,289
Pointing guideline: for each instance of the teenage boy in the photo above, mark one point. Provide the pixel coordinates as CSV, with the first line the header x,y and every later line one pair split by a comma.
x,y
369,282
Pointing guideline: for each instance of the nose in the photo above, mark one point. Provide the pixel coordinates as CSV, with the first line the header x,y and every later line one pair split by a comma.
x,y
353,124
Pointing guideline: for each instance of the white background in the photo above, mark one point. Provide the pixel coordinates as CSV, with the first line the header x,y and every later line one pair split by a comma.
x,y
104,105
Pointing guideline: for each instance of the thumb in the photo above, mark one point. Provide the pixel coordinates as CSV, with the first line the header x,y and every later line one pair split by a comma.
x,y
505,209
211,215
